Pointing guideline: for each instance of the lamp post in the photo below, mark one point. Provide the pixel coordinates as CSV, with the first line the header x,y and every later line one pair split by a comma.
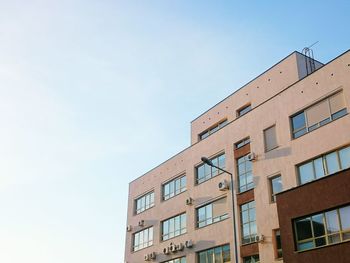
x,y
210,163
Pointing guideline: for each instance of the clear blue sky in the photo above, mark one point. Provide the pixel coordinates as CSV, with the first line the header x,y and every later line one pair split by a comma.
x,y
95,93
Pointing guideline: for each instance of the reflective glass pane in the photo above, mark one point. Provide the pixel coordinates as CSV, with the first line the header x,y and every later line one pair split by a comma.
x,y
245,217
332,221
183,182
202,257
306,173
276,184
298,121
306,245
222,161
303,227
334,239
319,170
320,241
344,155
200,172
318,225
345,217
332,163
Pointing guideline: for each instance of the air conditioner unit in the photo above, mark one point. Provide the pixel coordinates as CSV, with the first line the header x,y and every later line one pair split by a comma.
x,y
128,228
166,250
259,238
189,201
180,247
172,248
188,243
146,257
223,185
251,157
141,222
153,255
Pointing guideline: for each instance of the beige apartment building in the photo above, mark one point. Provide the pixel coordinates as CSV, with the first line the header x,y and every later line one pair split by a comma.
x,y
275,186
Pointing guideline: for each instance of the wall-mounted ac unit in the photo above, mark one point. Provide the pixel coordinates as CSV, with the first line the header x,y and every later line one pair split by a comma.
x,y
180,247
189,201
172,248
153,255
259,238
166,250
146,257
141,222
188,244
252,157
128,228
223,185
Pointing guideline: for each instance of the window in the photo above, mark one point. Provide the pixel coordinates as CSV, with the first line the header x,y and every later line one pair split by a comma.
x,y
278,244
251,259
177,260
325,165
213,129
270,138
218,255
242,143
143,239
248,222
318,114
205,172
174,226
275,186
144,202
245,174
244,110
323,229
212,213
174,187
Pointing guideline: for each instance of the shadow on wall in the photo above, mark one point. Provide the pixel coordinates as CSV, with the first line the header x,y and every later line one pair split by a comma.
x,y
278,153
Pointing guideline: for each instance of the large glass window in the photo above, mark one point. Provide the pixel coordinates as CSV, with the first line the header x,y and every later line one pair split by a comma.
x,y
143,239
324,165
205,172
215,255
245,174
174,226
275,186
318,114
174,187
177,260
323,229
251,259
144,202
213,129
248,222
212,213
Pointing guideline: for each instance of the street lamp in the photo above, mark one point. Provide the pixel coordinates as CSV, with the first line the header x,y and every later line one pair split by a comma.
x,y
210,163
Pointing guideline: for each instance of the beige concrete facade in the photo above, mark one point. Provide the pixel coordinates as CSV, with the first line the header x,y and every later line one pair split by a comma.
x,y
274,96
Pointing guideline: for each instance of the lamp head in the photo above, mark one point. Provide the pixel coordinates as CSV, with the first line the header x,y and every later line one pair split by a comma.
x,y
207,161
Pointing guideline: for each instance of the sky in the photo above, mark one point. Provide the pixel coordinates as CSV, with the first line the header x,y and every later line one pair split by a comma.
x,y
93,94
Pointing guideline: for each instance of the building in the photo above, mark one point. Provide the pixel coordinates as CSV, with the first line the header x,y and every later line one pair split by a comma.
x,y
285,137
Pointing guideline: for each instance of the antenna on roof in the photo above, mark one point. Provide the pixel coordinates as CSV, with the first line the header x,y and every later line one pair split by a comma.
x,y
309,59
